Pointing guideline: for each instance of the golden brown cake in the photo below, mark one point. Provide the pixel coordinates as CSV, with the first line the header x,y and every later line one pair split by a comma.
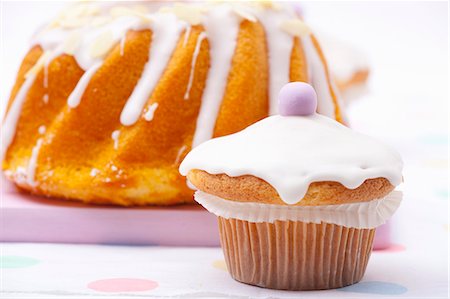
x,y
250,188
298,196
109,99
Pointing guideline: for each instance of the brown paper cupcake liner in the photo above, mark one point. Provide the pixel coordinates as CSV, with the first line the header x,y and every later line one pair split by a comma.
x,y
293,255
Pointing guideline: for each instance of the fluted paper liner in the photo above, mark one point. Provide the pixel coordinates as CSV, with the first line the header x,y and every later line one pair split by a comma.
x,y
369,214
294,255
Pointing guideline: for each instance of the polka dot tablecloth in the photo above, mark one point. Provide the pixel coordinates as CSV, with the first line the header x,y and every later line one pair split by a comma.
x,y
51,271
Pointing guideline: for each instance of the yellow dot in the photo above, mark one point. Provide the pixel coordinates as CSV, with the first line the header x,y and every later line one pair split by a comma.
x,y
220,264
436,163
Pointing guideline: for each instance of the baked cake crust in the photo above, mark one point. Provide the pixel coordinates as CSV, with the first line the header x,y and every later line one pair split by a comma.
x,y
249,188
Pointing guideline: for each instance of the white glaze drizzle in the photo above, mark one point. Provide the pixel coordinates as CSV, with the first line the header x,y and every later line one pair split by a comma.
x,y
45,81
115,137
94,172
57,39
222,27
32,164
318,78
45,98
148,116
20,176
291,152
41,130
187,33
280,45
122,45
200,39
180,152
166,30
74,98
12,117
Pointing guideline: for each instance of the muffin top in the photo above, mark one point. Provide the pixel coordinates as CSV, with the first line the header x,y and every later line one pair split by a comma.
x,y
298,157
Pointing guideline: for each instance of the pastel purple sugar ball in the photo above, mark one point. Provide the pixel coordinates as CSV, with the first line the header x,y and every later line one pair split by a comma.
x,y
297,98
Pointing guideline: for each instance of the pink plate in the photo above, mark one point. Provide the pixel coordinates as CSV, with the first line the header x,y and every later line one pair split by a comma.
x,y
28,218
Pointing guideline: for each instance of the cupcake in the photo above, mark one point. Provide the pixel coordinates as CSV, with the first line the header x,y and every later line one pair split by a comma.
x,y
298,196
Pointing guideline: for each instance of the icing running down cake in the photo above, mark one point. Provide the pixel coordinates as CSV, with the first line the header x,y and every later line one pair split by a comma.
x,y
124,93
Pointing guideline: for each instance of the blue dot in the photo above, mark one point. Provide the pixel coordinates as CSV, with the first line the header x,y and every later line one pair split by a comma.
x,y
376,287
12,261
435,139
443,193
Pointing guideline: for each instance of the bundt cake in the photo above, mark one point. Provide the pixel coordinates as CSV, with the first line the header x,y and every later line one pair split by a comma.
x,y
349,65
109,99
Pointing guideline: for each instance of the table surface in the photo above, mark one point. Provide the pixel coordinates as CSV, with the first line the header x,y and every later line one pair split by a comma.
x,y
407,107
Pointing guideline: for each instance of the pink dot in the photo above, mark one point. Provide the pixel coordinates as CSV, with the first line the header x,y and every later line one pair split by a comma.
x,y
393,248
117,285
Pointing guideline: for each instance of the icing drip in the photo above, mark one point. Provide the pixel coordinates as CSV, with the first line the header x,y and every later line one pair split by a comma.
x,y
74,98
115,137
122,45
187,33
20,176
200,38
166,30
12,117
41,130
45,82
291,152
180,152
280,45
45,98
32,164
318,77
94,172
222,27
88,44
148,116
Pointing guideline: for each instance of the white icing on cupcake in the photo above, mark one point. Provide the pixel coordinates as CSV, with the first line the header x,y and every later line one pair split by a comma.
x,y
291,152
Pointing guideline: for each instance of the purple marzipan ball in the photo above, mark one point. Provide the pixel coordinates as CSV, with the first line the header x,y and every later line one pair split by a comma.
x,y
297,98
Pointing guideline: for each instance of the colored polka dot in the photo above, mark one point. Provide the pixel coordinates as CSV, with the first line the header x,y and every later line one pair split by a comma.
x,y
376,287
220,264
120,285
436,163
443,193
393,248
12,261
435,139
